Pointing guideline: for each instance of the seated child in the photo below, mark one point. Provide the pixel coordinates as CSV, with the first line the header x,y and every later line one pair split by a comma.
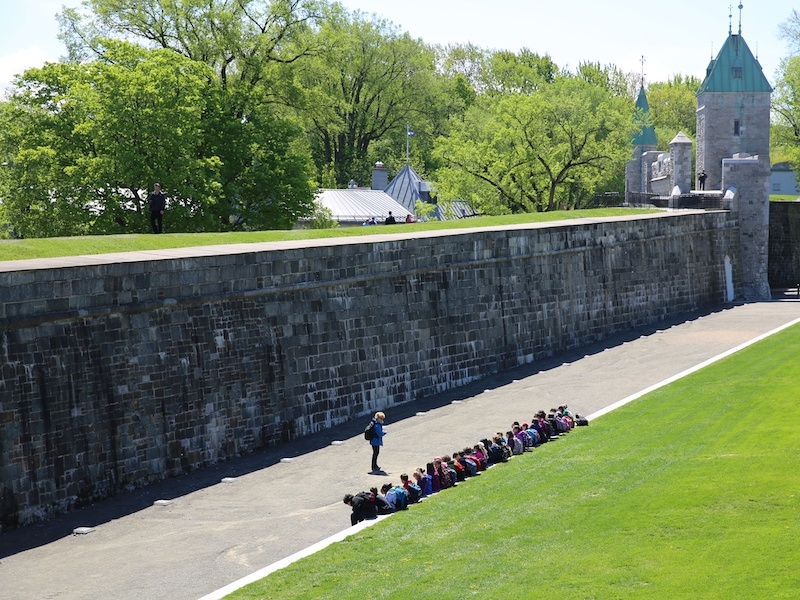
x,y
363,505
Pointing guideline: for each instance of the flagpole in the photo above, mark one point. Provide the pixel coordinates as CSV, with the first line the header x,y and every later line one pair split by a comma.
x,y
408,134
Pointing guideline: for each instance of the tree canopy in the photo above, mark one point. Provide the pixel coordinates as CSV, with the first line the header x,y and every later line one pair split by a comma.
x,y
786,110
673,106
84,142
366,84
536,152
240,109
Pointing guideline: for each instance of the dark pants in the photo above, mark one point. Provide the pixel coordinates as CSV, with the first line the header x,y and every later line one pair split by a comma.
x,y
156,221
375,451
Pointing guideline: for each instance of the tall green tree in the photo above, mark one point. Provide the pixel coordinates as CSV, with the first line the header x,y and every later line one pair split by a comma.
x,y
249,47
786,111
523,153
496,71
524,72
367,83
84,143
241,40
265,170
466,62
673,106
789,31
608,77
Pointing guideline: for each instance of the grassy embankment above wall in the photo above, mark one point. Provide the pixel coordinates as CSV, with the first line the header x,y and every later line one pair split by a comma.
x,y
75,246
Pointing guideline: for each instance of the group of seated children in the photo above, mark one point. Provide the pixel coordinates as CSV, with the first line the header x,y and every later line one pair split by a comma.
x,y
446,471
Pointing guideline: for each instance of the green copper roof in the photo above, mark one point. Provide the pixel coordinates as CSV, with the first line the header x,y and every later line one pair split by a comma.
x,y
735,70
647,136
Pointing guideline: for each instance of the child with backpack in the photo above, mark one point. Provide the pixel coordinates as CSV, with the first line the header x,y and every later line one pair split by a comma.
x,y
424,481
396,496
363,505
412,489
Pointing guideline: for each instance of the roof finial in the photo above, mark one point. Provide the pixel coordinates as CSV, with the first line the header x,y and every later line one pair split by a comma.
x,y
730,19
642,60
740,18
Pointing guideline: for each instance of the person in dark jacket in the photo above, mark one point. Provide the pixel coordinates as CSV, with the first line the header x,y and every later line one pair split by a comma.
x,y
364,507
377,440
157,206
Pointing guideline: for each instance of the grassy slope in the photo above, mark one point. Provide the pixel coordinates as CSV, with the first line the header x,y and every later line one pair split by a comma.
x,y
688,492
72,246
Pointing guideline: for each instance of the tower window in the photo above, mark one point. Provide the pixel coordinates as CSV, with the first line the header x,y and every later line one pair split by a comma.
x,y
737,72
737,128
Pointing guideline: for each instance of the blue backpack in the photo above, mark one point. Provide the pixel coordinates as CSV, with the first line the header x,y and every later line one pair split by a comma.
x,y
470,467
400,498
414,493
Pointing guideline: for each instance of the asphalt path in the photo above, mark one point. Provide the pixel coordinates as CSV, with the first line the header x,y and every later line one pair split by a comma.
x,y
223,523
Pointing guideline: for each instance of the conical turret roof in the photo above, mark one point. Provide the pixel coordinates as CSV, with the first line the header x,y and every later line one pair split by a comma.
x,y
735,69
647,136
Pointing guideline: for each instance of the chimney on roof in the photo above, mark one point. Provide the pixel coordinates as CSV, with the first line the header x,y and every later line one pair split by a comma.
x,y
425,191
380,177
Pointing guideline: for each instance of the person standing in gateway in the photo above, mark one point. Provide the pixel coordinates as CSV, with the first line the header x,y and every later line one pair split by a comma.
x,y
377,440
157,206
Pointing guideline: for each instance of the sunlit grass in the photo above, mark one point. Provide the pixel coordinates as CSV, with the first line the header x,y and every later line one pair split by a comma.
x,y
688,492
72,246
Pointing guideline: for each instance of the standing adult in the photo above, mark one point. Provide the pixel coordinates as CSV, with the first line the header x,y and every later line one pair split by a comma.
x,y
157,206
702,179
377,440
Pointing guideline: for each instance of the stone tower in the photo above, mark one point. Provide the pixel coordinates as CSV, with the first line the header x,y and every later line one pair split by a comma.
x,y
733,110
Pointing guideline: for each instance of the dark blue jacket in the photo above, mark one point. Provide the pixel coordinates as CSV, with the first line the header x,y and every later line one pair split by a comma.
x,y
378,439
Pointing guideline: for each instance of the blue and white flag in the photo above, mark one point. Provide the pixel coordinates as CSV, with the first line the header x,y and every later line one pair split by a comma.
x,y
409,133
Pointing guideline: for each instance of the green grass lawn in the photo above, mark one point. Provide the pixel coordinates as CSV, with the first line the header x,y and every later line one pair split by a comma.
x,y
73,246
688,492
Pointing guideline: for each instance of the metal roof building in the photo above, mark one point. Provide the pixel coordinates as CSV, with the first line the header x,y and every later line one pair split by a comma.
x,y
355,206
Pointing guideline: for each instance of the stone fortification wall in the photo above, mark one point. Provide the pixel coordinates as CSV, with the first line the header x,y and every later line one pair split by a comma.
x,y
121,373
784,244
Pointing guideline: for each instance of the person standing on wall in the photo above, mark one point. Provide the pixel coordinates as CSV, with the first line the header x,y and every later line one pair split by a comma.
x,y
157,206
702,179
377,440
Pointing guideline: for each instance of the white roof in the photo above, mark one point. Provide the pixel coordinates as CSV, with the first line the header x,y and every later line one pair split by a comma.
x,y
358,205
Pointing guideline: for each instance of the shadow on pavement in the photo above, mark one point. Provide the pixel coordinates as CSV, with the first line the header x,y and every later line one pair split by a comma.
x,y
128,503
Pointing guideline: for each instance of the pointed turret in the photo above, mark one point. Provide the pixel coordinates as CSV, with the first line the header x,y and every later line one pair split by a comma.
x,y
735,70
647,136
644,141
733,109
